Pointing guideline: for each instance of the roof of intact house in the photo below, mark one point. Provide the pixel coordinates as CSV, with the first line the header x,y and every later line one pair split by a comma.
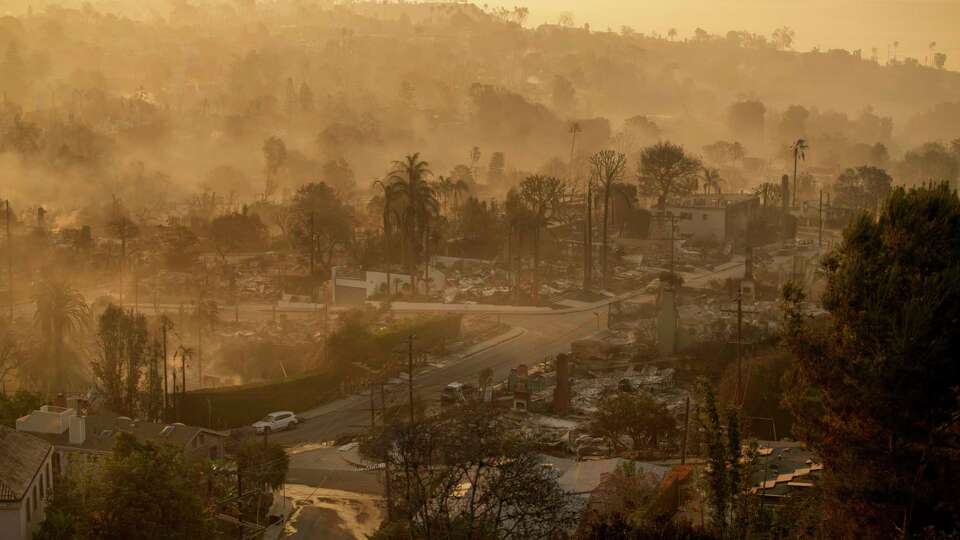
x,y
101,429
21,456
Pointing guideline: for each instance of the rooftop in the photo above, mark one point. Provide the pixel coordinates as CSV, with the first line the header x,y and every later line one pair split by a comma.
x,y
710,200
100,430
21,456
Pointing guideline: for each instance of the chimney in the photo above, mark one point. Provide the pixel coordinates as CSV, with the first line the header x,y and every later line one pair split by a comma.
x,y
78,429
561,395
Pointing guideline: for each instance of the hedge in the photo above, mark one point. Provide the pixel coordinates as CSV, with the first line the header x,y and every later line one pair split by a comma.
x,y
236,406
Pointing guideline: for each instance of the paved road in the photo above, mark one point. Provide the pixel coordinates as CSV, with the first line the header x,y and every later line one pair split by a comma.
x,y
538,337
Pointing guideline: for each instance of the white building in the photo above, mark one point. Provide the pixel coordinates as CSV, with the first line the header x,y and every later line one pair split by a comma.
x,y
355,286
716,218
26,482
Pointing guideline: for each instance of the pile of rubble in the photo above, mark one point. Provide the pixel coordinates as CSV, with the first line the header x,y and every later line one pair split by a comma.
x,y
658,382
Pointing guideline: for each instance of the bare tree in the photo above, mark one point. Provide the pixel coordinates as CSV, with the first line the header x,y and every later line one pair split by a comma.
x,y
607,168
542,196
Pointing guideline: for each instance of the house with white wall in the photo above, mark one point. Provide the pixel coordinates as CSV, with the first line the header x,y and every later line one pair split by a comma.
x,y
26,482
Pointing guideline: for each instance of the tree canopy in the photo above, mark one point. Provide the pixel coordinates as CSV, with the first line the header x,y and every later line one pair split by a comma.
x,y
875,382
665,170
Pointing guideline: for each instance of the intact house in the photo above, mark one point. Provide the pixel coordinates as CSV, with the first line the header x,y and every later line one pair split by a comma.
x,y
353,287
720,218
80,440
26,482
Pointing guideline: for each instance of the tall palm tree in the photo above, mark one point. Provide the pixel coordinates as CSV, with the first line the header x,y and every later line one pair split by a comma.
x,y
607,168
61,312
542,195
390,217
711,179
416,202
443,187
799,153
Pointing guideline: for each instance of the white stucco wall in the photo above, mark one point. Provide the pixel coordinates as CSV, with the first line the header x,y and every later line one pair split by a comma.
x,y
13,516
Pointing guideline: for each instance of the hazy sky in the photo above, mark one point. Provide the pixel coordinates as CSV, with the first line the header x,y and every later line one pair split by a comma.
x,y
847,24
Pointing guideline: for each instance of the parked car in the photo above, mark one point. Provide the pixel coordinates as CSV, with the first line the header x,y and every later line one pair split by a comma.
x,y
276,421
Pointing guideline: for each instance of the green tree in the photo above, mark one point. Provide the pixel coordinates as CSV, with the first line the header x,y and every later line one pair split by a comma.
x,y
607,168
726,476
274,156
338,174
123,353
410,192
640,417
21,403
665,170
783,37
237,231
542,196
479,228
141,491
263,468
932,162
863,188
61,313
323,223
711,179
724,152
497,169
874,389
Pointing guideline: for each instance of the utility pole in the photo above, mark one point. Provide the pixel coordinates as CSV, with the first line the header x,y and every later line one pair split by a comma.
x,y
387,484
9,261
426,250
326,319
739,312
588,239
820,233
163,328
183,374
373,410
199,354
686,429
240,500
313,242
123,254
673,225
410,372
739,348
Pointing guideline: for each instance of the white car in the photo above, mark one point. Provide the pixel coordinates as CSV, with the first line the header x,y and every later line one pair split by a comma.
x,y
276,421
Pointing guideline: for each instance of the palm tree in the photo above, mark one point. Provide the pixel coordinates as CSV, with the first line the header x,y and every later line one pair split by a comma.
x,y
389,215
61,312
711,179
415,200
542,196
607,168
459,188
799,153
443,187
